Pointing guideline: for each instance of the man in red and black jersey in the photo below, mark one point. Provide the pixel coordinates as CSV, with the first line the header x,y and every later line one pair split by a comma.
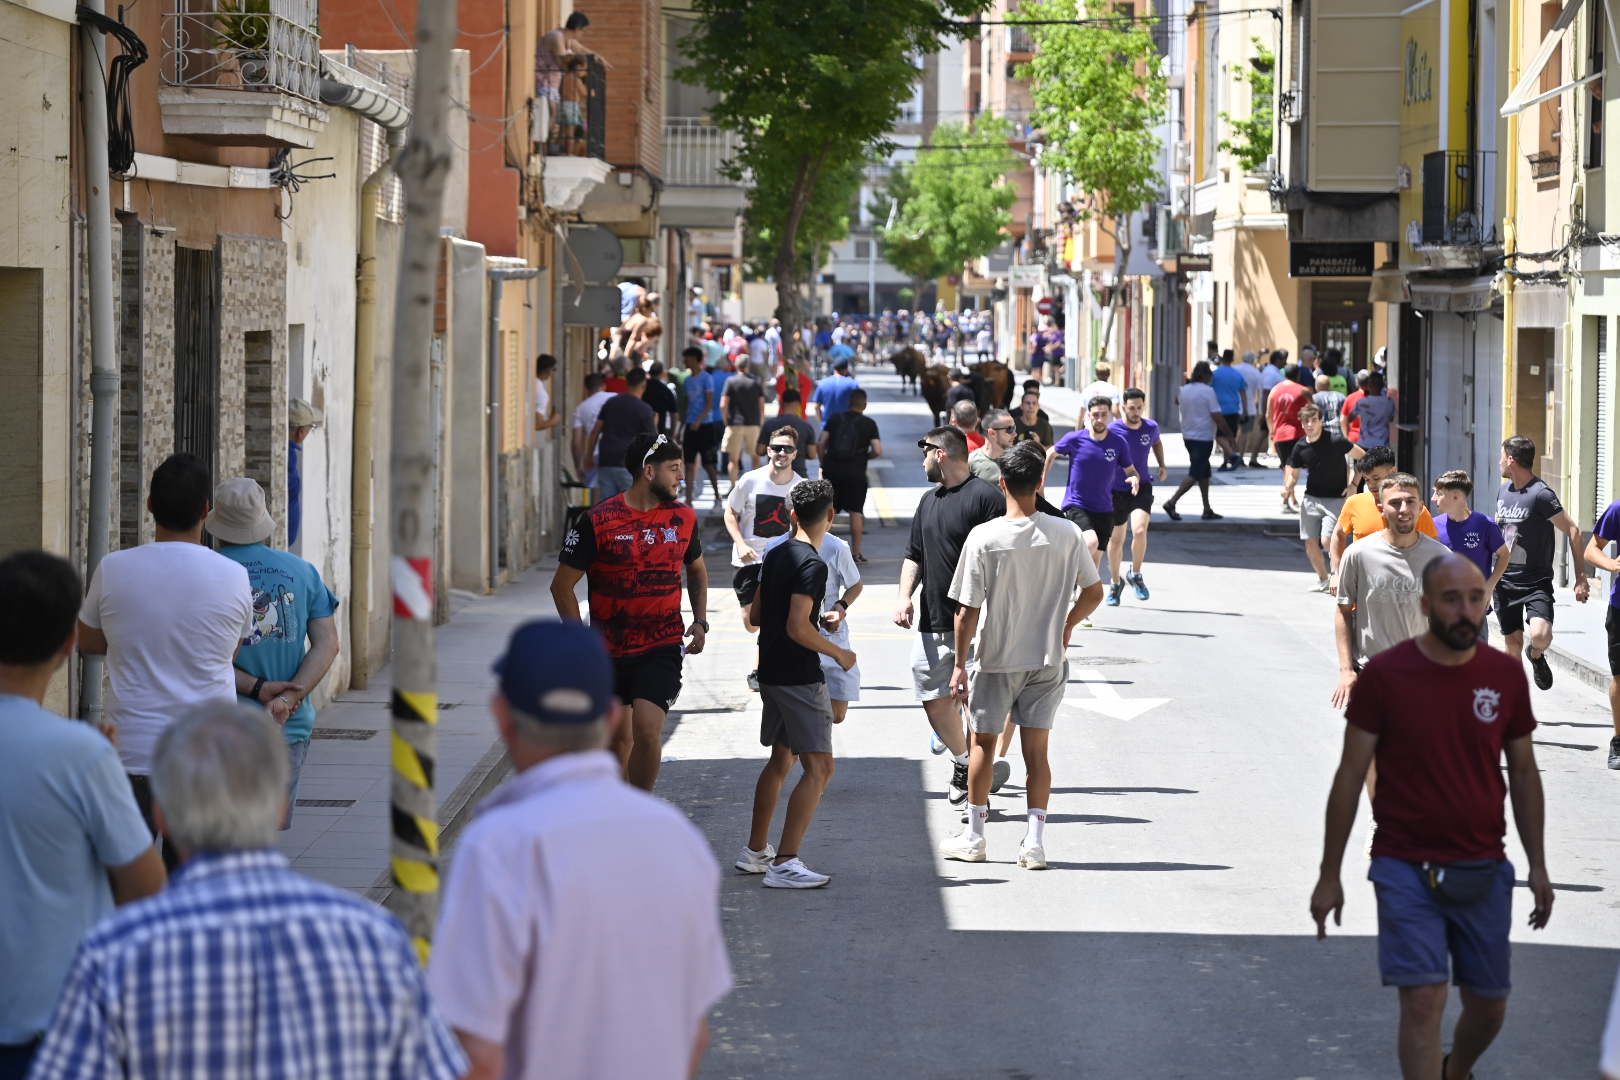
x,y
631,550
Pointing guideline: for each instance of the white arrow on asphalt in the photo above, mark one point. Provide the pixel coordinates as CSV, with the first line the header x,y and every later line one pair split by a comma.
x,y
1106,700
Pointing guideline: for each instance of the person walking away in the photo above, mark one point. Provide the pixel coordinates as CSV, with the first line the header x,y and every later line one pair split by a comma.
x,y
849,441
1101,387
1361,515
1469,533
832,395
1332,365
965,418
1375,413
1352,423
72,842
1141,436
565,870
169,617
1326,461
1331,402
660,398
302,418
701,438
961,389
945,515
1023,583
1230,390
623,417
632,550
1604,533
242,968
984,342
1528,512
1096,455
1000,435
294,638
1200,414
1253,435
583,422
1436,714
743,402
1283,405
791,416
1031,419
795,378
796,718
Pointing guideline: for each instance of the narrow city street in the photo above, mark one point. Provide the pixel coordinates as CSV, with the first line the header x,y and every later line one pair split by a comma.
x,y
1171,936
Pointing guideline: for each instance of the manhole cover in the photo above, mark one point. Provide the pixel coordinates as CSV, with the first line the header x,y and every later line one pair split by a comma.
x,y
1101,661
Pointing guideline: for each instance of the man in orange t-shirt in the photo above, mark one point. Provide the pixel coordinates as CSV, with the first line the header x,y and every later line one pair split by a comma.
x,y
1361,515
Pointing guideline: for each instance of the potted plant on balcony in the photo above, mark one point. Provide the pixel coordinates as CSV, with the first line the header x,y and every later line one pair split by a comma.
x,y
242,29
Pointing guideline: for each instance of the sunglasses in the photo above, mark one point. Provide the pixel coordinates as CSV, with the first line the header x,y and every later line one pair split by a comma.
x,y
1004,430
783,448
925,446
651,450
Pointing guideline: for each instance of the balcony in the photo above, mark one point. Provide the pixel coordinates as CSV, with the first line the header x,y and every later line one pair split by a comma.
x,y
697,192
242,72
572,131
1020,43
1459,221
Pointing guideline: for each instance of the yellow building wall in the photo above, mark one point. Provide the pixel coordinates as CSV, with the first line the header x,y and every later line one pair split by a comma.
x,y
1434,98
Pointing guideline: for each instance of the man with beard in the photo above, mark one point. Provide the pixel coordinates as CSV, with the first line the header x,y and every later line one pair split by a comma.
x,y
1436,713
631,550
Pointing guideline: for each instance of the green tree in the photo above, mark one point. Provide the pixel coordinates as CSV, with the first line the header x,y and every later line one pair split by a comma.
x,y
812,88
1251,139
1099,93
953,203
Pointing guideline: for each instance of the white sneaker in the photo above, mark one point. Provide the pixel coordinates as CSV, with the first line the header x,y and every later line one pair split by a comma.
x,y
964,847
793,874
1032,857
750,861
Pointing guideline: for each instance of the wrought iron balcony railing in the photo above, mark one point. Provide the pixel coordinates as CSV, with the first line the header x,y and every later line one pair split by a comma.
x,y
1458,202
696,152
269,46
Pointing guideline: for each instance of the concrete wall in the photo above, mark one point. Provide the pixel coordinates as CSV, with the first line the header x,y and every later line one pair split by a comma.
x,y
468,464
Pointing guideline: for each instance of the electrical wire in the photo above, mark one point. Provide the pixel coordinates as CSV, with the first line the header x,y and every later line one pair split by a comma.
x,y
120,122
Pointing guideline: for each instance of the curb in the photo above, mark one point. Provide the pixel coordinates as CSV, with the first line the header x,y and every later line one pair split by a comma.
x,y
1582,670
456,811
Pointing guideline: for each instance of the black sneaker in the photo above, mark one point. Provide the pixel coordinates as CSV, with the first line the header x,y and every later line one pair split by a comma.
x,y
957,793
1542,671
1614,752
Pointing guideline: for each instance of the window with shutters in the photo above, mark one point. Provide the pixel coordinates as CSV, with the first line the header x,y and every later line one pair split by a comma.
x,y
1551,111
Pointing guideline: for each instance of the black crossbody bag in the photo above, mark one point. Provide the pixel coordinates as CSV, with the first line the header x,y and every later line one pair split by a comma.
x,y
1466,882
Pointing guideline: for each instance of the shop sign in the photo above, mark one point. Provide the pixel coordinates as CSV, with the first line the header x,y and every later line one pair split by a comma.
x,y
1307,260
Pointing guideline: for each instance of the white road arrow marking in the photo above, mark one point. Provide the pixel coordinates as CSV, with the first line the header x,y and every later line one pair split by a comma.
x,y
1106,700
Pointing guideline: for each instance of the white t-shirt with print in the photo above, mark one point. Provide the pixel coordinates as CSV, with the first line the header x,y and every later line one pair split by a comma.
x,y
1015,570
842,575
1198,408
174,614
762,509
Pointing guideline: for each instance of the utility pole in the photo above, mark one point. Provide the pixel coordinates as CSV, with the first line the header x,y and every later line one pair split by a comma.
x,y
423,167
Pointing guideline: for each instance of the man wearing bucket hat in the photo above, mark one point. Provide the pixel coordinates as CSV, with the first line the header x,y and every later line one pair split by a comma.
x,y
294,638
579,933
302,418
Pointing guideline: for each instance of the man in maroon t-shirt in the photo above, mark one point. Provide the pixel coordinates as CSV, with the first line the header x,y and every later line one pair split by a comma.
x,y
1437,712
631,550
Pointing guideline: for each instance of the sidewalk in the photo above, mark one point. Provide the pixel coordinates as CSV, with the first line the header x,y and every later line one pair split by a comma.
x,y
340,827
1580,645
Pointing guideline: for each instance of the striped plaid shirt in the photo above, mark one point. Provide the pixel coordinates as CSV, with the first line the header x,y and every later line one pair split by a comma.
x,y
244,969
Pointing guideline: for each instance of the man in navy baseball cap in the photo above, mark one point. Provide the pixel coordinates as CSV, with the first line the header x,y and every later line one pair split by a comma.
x,y
556,688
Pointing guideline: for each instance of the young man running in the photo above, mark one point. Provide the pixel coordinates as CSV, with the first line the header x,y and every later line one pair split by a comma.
x,y
757,512
1141,435
1361,514
797,716
1096,456
1528,511
1023,584
1469,533
631,550
1605,532
1326,461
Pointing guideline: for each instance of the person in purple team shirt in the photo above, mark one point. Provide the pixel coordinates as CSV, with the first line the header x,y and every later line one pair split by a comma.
x,y
1096,456
1475,536
1606,530
1141,435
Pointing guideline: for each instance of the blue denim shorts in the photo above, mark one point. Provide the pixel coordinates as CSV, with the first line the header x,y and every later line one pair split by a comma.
x,y
1423,940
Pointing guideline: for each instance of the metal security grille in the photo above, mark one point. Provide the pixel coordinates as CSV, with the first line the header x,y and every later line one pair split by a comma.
x,y
344,734
196,354
326,802
1603,470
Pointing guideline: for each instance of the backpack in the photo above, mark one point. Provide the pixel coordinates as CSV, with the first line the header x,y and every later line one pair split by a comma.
x,y
844,439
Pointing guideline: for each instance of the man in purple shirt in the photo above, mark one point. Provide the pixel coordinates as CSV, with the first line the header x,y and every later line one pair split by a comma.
x,y
1133,508
1096,456
1468,532
1605,531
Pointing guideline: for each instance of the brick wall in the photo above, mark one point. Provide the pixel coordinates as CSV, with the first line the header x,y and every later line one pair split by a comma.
x,y
629,36
253,299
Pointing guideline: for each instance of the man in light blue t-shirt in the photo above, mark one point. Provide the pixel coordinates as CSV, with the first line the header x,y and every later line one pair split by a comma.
x,y
1230,387
72,842
294,637
832,395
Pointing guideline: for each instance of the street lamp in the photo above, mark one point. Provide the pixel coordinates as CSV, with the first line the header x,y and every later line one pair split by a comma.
x,y
871,262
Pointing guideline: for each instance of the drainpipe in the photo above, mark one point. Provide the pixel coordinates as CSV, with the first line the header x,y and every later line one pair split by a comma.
x,y
502,270
1510,235
346,88
103,364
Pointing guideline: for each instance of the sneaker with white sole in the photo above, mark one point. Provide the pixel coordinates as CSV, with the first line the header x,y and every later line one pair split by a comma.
x,y
1000,773
1139,586
1032,857
753,680
935,745
964,847
750,861
1614,752
957,792
793,874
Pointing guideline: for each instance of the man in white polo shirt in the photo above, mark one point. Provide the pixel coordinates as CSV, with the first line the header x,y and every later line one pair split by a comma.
x,y
580,930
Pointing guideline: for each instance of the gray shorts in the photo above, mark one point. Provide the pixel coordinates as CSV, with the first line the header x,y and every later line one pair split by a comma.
x,y
1031,697
933,658
797,717
1318,517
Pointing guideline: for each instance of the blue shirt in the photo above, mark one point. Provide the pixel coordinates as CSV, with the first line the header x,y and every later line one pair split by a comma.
x,y
244,969
1478,538
696,387
1608,528
839,352
295,491
1139,441
1229,386
717,380
287,593
66,814
1093,466
833,395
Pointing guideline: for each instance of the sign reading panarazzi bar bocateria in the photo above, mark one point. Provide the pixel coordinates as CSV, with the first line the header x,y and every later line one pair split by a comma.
x,y
1330,260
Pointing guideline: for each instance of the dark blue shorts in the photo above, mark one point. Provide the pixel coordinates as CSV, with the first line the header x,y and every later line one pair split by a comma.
x,y
1423,940
1198,451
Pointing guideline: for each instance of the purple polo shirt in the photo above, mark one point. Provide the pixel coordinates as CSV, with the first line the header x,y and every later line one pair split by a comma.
x,y
1608,528
1093,464
1140,443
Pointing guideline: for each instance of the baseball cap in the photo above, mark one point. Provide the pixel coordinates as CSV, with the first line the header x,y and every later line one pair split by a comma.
x,y
557,672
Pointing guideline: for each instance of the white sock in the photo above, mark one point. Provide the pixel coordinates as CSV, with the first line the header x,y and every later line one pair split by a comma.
x,y
1037,828
960,759
977,815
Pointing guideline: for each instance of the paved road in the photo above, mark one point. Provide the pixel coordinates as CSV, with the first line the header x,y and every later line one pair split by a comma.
x,y
1170,938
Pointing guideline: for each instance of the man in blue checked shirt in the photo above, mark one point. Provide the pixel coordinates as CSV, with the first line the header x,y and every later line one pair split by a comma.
x,y
242,968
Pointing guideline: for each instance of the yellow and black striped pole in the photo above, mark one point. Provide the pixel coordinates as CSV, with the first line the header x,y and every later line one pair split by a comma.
x,y
422,168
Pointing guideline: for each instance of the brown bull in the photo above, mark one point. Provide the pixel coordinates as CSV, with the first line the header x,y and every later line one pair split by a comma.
x,y
908,364
994,386
936,385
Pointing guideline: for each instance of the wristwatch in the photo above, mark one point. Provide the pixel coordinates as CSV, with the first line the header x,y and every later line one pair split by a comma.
x,y
842,603
703,623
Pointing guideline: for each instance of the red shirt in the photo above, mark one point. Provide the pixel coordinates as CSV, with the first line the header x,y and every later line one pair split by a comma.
x,y
1440,735
615,385
807,389
632,561
974,440
1287,398
1352,423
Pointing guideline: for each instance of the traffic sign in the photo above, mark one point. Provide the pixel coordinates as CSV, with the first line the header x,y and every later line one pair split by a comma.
x,y
1044,305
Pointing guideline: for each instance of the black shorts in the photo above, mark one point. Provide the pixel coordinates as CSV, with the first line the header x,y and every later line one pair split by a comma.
x,y
1611,623
848,480
702,440
1234,422
654,676
1285,450
1100,523
1125,502
1518,604
745,583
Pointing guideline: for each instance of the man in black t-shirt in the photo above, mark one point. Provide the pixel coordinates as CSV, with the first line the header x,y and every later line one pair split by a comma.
x,y
796,718
622,418
660,398
1528,511
1326,461
849,441
742,403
